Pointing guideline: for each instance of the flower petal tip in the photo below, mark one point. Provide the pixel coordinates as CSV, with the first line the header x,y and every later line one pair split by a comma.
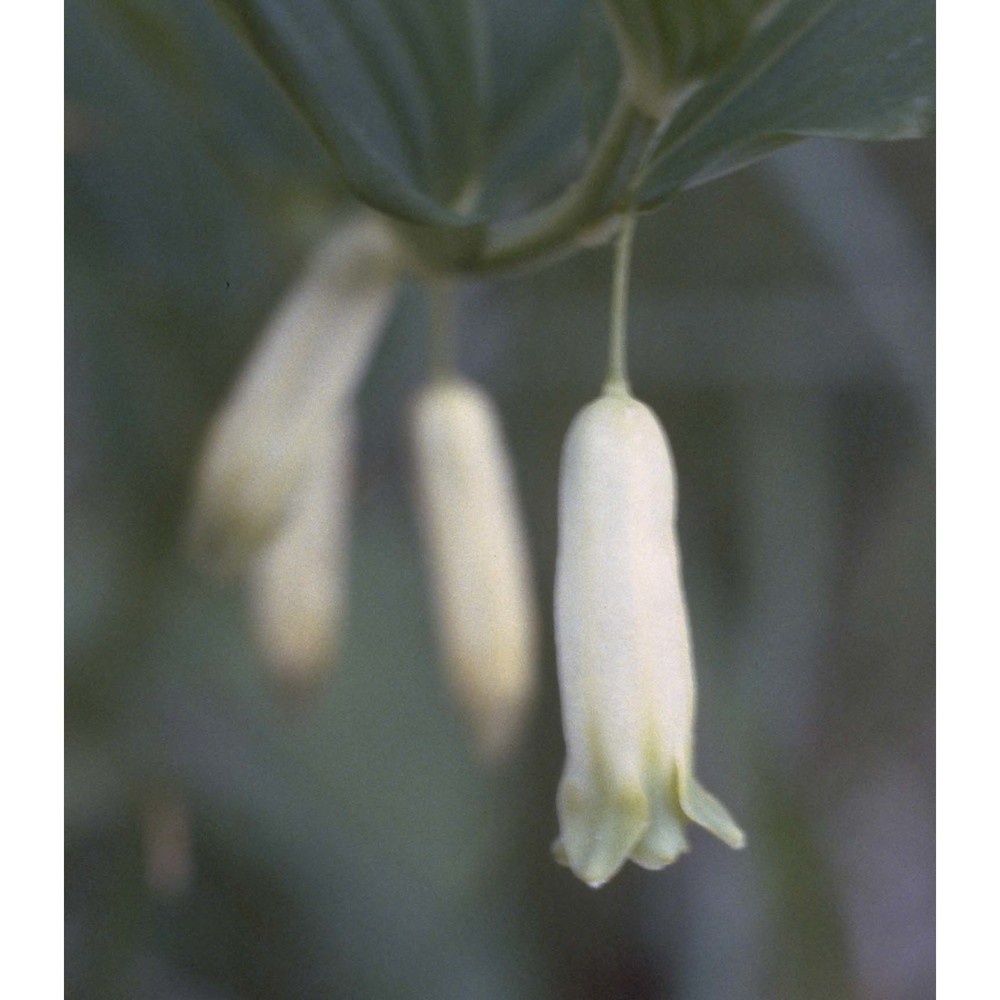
x,y
599,832
663,843
703,808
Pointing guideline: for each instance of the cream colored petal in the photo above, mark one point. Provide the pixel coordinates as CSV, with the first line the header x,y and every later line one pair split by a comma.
x,y
606,633
602,630
703,808
623,645
664,840
600,825
299,579
478,559
309,361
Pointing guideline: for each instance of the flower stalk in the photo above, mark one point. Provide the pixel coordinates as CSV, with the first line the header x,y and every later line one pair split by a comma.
x,y
617,382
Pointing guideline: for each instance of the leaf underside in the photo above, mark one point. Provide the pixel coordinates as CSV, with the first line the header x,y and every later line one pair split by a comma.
x,y
434,110
853,69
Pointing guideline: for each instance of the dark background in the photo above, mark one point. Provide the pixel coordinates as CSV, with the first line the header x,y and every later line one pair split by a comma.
x,y
782,327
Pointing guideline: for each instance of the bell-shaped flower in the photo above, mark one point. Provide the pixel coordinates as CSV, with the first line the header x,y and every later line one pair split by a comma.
x,y
298,581
307,366
477,557
626,676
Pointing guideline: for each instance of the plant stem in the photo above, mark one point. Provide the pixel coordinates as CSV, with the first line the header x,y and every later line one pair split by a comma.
x,y
617,382
550,229
441,310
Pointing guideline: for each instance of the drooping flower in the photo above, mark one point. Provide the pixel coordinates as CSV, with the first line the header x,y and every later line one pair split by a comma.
x,y
298,581
624,653
305,370
477,557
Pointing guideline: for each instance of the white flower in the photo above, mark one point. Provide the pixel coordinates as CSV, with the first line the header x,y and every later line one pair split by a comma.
x,y
310,360
478,558
298,581
624,655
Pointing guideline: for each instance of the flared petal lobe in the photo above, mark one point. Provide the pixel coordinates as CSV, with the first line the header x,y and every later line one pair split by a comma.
x,y
624,654
478,559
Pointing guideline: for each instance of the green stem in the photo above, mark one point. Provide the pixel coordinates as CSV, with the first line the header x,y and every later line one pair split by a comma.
x,y
552,228
441,308
607,188
617,382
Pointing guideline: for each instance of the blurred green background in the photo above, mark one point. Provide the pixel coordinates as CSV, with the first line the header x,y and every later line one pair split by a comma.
x,y
782,327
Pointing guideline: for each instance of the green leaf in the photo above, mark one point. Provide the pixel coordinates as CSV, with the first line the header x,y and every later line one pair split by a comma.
x,y
666,44
393,88
217,84
600,67
856,69
534,108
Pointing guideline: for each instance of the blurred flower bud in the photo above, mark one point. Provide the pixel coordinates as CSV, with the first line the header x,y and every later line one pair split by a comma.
x,y
478,559
624,655
308,364
299,579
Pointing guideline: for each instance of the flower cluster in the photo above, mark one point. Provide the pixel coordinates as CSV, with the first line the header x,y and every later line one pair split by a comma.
x,y
272,493
273,501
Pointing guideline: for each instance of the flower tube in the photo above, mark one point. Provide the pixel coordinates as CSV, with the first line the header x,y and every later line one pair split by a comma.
x,y
624,653
298,581
309,363
478,559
